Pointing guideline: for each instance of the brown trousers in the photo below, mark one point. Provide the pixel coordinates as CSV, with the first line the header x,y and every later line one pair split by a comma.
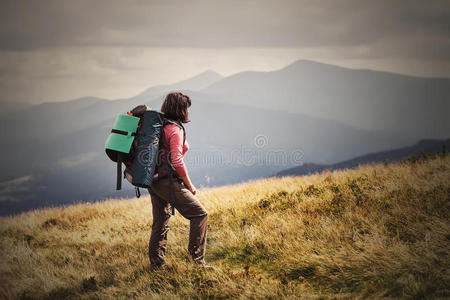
x,y
189,207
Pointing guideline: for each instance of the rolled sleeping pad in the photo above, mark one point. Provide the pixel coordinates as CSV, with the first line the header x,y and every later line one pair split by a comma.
x,y
146,153
118,143
121,136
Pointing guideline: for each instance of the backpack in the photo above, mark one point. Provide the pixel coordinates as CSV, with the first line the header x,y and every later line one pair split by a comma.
x,y
135,141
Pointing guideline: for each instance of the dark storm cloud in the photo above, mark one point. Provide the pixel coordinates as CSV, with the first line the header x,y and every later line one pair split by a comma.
x,y
412,28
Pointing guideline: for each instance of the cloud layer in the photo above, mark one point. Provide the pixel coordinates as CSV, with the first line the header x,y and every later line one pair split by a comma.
x,y
63,43
27,25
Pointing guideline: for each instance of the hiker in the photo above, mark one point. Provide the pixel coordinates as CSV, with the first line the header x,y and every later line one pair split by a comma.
x,y
174,146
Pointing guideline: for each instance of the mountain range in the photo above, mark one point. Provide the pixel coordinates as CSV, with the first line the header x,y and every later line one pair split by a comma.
x,y
371,100
245,126
424,147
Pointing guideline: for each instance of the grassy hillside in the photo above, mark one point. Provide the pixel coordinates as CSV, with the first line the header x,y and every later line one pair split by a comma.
x,y
377,231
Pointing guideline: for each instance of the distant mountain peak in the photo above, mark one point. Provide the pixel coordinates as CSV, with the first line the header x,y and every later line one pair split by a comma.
x,y
195,83
208,73
204,78
304,63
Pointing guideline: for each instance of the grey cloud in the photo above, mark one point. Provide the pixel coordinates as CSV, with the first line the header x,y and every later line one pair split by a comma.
x,y
28,25
52,50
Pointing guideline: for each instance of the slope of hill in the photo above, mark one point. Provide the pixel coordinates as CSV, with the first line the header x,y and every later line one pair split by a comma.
x,y
376,231
196,83
7,107
54,119
362,98
424,147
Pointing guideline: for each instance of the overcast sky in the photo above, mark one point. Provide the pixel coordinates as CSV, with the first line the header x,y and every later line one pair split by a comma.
x,y
60,50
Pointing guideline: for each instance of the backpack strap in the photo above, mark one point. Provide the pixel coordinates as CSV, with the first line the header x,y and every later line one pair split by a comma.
x,y
137,191
119,171
170,167
166,120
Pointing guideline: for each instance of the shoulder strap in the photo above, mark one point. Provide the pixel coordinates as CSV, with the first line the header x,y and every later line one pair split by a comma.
x,y
170,168
166,120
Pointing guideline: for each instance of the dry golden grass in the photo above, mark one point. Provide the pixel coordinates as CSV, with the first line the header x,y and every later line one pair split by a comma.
x,y
376,231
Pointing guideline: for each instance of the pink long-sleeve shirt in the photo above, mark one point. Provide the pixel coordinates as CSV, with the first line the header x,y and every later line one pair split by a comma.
x,y
173,136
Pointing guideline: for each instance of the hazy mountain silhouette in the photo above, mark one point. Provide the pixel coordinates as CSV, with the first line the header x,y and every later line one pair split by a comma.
x,y
37,135
74,167
7,107
196,83
53,153
423,147
362,98
60,118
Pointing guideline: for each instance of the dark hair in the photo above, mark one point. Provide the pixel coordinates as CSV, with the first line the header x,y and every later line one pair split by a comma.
x,y
175,107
